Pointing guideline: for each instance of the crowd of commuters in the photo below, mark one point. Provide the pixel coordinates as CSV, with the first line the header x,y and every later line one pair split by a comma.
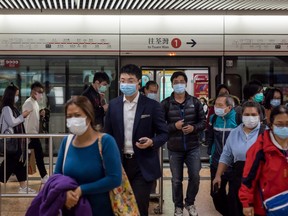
x,y
247,143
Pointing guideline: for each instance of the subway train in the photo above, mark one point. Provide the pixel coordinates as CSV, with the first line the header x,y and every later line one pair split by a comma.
x,y
64,52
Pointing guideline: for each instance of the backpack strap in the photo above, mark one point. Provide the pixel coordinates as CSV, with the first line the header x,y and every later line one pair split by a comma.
x,y
68,142
213,120
262,129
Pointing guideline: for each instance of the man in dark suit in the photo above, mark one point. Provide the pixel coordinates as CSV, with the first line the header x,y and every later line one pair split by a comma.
x,y
137,123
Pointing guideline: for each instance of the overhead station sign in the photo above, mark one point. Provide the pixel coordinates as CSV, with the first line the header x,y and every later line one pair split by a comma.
x,y
256,43
131,44
47,42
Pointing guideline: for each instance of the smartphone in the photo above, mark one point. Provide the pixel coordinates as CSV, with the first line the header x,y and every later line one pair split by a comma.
x,y
184,124
215,188
141,141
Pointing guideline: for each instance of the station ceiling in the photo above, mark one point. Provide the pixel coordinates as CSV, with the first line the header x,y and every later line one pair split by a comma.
x,y
137,5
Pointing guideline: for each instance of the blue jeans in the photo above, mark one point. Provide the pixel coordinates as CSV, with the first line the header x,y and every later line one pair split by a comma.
x,y
192,160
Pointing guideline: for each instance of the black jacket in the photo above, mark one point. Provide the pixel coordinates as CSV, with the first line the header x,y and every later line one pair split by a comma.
x,y
192,113
95,99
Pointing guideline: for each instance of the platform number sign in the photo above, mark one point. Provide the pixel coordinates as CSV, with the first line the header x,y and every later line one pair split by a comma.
x,y
176,43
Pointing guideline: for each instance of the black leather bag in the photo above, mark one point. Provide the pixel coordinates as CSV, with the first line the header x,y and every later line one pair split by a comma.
x,y
11,143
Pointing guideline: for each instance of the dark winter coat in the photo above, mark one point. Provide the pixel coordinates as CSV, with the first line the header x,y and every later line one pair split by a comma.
x,y
191,111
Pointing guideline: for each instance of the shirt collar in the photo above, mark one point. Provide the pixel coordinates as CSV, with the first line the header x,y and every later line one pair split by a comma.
x,y
135,100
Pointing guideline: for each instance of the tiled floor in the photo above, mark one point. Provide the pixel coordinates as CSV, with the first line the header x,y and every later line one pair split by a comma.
x,y
17,206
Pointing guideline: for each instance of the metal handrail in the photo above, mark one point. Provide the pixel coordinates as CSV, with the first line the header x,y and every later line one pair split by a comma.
x,y
27,136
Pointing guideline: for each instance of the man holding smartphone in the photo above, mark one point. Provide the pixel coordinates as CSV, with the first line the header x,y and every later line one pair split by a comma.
x,y
137,123
185,118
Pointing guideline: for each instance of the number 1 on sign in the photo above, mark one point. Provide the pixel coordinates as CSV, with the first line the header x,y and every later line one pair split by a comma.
x,y
176,43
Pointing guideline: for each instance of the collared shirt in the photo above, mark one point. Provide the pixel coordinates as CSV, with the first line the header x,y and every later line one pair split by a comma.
x,y
129,111
31,122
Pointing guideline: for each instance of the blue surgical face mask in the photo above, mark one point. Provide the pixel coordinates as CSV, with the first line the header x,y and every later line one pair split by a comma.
x,y
258,97
102,89
152,96
275,102
179,88
128,89
220,111
281,132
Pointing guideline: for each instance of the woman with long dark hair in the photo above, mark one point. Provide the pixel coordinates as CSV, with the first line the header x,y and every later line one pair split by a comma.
x,y
15,162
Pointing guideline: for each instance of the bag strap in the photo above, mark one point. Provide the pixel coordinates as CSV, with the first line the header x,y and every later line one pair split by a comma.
x,y
1,121
68,142
100,144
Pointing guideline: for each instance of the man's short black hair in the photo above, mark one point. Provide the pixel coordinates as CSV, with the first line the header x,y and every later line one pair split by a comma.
x,y
131,69
101,77
151,83
36,84
177,74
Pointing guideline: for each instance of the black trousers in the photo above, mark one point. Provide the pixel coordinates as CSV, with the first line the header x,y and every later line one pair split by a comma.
x,y
36,145
140,186
236,208
13,166
222,199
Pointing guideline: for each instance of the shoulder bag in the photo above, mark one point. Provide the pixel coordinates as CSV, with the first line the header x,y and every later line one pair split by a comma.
x,y
276,205
11,143
122,198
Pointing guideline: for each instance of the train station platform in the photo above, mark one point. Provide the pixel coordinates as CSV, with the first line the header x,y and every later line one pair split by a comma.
x,y
204,205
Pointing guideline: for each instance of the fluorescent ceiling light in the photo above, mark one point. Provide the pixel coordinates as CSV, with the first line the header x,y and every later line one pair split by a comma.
x,y
123,4
140,4
129,3
55,4
106,5
95,4
101,4
83,4
32,3
119,2
147,2
38,4
61,4
11,6
49,4
44,4
111,6
16,5
135,3
20,3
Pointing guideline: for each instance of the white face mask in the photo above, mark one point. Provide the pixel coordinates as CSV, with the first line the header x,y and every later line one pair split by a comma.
x,y
77,126
250,121
16,98
39,96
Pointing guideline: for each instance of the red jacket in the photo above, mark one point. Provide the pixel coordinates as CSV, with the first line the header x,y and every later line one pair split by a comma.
x,y
265,164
